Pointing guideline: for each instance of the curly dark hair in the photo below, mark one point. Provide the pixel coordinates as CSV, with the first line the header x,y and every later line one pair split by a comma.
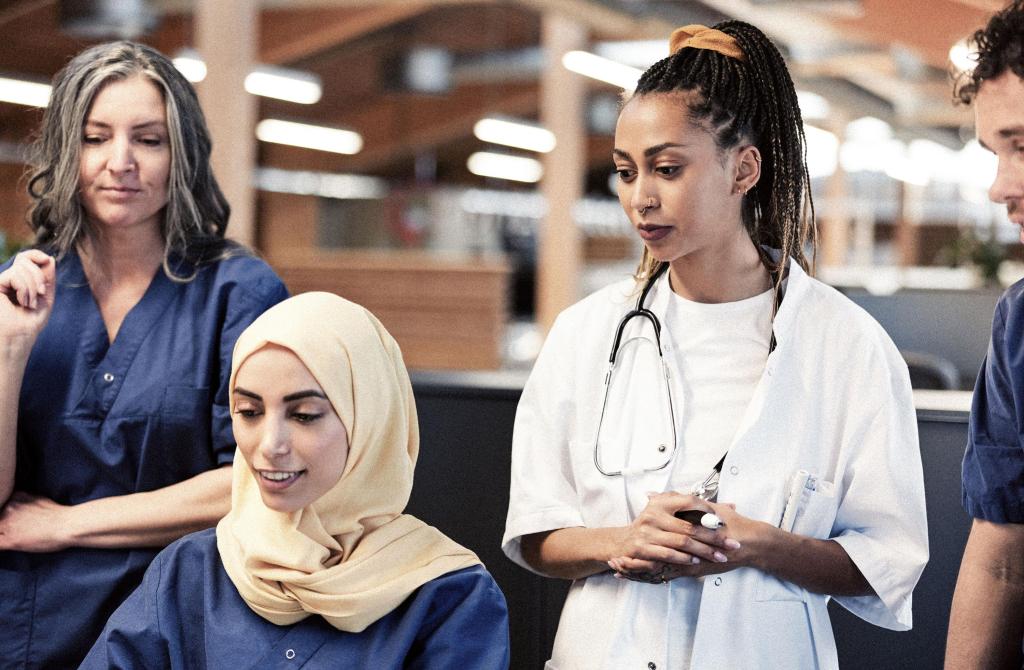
x,y
1000,47
753,101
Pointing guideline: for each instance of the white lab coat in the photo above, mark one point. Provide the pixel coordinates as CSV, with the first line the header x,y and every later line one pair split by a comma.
x,y
834,400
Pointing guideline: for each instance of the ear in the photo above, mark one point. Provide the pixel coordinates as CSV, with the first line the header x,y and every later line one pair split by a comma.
x,y
748,169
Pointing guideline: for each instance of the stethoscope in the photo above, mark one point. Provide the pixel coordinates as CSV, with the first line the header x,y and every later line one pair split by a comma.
x,y
708,488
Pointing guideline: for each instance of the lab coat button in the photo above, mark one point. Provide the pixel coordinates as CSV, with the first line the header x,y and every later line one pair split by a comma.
x,y
107,377
662,447
290,654
652,666
718,581
733,470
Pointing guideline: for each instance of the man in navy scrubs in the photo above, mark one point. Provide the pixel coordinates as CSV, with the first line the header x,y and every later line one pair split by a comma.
x,y
986,623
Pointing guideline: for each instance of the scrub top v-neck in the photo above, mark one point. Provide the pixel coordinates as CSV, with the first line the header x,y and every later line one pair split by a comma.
x,y
100,418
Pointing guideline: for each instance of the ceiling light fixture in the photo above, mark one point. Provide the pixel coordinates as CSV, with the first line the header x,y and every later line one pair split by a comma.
x,y
309,137
602,69
284,84
21,92
962,57
190,64
514,134
503,166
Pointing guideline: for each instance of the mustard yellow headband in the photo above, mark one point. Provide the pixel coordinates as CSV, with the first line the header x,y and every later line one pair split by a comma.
x,y
697,36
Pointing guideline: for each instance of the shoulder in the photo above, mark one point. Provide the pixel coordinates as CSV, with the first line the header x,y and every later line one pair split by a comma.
x,y
467,583
189,558
601,305
244,278
826,320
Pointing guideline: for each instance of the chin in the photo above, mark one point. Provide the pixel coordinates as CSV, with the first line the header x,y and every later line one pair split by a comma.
x,y
277,504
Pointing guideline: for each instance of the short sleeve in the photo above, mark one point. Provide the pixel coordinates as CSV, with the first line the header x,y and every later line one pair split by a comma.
x,y
542,493
132,636
881,521
993,467
256,290
467,626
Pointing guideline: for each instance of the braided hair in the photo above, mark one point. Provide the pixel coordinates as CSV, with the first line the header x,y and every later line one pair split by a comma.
x,y
748,101
1000,48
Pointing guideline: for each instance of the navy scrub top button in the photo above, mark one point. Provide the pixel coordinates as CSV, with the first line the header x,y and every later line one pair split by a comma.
x,y
107,377
290,654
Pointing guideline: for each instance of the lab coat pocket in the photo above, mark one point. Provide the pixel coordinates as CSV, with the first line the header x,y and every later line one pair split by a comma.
x,y
809,510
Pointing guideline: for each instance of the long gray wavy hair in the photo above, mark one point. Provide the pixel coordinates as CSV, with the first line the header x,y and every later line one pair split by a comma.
x,y
196,214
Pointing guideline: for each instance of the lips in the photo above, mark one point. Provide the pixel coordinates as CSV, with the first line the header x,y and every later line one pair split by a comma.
x,y
278,480
650,232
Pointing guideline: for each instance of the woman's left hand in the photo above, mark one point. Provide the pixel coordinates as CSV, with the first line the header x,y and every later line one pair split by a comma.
x,y
33,524
752,536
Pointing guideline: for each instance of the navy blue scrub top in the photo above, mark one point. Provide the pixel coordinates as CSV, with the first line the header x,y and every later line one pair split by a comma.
x,y
98,419
188,614
993,469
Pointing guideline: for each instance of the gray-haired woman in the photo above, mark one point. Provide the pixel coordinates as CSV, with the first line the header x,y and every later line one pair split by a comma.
x,y
116,332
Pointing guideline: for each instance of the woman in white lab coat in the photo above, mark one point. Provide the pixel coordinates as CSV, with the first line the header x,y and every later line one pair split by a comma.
x,y
743,389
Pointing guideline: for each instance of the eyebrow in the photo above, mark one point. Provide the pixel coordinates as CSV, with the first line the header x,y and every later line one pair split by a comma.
x,y
650,151
139,126
298,395
1004,134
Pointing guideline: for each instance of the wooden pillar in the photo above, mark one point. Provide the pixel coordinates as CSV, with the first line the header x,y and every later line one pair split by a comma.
x,y
835,228
226,37
559,242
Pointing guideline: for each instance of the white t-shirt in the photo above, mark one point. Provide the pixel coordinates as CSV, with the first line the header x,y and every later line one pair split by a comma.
x,y
718,353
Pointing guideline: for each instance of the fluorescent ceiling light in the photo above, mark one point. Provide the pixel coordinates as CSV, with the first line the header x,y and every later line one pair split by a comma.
x,y
322,184
961,56
514,134
264,80
638,53
190,65
309,137
283,84
22,92
822,152
501,166
602,69
812,105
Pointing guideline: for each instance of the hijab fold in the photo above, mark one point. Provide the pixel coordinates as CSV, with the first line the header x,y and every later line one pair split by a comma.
x,y
351,556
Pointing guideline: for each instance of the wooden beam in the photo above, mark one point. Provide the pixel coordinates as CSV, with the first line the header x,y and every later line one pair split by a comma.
x,y
559,240
289,36
230,111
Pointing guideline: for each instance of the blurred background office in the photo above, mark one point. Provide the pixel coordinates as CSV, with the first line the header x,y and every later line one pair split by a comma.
x,y
447,164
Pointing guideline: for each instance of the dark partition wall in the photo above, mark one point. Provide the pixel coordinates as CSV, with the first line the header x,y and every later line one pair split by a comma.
x,y
462,488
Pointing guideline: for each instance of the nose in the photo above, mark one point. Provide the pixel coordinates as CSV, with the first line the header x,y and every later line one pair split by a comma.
x,y
1008,184
642,195
122,157
274,440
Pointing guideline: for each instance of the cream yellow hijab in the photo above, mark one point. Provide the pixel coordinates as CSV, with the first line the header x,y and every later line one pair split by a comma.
x,y
351,556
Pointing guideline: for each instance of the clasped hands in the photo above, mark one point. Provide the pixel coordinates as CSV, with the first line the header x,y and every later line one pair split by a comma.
x,y
658,547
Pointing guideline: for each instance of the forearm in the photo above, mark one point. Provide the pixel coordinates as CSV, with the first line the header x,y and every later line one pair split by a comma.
x,y
153,518
986,622
572,553
820,566
13,358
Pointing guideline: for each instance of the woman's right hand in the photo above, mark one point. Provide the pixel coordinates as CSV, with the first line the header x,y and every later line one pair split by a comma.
x,y
657,538
27,289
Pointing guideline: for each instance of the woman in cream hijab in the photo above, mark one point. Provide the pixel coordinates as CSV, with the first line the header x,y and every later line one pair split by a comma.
x,y
315,564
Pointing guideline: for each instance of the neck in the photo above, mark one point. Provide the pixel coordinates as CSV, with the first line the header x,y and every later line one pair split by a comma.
x,y
727,273
116,256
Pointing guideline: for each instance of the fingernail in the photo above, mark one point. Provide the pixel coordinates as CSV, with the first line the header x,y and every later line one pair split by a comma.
x,y
617,575
720,557
732,544
695,560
